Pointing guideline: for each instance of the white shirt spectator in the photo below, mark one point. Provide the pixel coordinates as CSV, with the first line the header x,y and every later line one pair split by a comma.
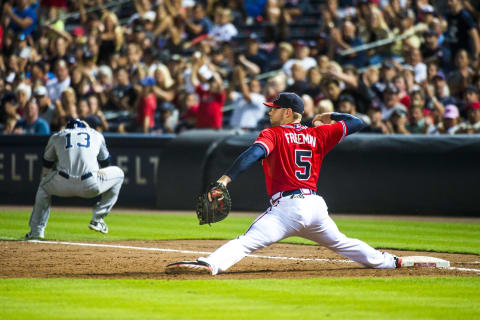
x,y
56,88
306,63
223,33
247,114
420,72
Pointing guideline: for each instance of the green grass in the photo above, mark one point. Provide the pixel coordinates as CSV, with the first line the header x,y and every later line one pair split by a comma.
x,y
346,298
408,235
319,298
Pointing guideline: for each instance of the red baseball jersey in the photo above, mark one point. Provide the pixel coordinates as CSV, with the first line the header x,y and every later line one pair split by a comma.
x,y
295,154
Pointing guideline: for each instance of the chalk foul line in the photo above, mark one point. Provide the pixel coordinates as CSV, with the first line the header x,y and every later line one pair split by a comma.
x,y
117,246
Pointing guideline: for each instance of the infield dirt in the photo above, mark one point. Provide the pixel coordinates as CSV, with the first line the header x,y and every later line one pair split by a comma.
x,y
19,259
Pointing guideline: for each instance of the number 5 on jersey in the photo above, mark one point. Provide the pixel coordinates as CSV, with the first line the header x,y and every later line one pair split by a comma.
x,y
85,143
303,161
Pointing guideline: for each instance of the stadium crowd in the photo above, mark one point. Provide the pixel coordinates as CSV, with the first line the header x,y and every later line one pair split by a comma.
x,y
165,66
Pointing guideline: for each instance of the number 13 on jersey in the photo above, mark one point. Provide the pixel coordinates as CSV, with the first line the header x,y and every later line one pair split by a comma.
x,y
85,140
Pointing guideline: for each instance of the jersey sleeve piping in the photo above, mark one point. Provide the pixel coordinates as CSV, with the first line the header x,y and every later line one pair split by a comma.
x,y
264,145
344,134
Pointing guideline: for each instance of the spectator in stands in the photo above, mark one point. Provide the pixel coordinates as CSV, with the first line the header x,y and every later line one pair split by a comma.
x,y
65,109
406,29
347,104
281,56
391,102
164,33
31,123
432,51
333,91
275,85
301,55
345,40
23,93
60,51
22,18
61,81
309,110
471,95
462,76
94,105
9,115
441,90
401,84
111,38
462,33
38,73
199,24
398,120
387,72
373,29
147,104
134,56
45,105
85,114
223,30
247,101
253,53
377,125
123,95
415,60
314,80
417,122
472,124
188,118
277,19
324,106
164,84
300,86
209,87
449,125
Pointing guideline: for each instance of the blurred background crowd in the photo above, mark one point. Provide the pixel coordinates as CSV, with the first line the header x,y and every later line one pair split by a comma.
x,y
165,66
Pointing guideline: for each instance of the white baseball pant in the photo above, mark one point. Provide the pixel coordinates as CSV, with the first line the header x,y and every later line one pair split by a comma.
x,y
106,182
302,216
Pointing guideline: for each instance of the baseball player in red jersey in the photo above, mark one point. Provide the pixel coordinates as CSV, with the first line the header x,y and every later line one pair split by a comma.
x,y
291,156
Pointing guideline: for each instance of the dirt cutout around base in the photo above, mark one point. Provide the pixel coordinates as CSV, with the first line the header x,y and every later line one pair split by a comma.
x,y
20,259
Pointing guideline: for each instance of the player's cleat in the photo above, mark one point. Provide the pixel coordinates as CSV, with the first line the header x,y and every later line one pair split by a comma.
x,y
398,261
200,267
31,236
99,226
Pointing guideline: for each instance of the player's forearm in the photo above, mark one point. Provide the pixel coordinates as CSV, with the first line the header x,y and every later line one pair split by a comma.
x,y
353,123
245,160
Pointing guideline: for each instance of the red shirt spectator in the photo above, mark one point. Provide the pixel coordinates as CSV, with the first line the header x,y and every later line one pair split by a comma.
x,y
147,106
210,108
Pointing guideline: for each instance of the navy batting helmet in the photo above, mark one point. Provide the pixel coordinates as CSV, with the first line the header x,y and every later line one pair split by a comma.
x,y
76,123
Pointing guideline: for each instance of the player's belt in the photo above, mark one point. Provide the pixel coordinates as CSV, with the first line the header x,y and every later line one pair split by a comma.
x,y
278,195
83,177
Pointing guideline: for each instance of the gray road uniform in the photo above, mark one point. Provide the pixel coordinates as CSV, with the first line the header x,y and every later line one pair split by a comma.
x,y
77,152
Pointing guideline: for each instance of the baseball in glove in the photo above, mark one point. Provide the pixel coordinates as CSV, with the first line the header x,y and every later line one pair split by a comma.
x,y
214,205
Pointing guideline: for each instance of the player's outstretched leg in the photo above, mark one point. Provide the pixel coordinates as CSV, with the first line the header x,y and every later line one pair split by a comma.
x,y
109,182
40,213
326,233
267,229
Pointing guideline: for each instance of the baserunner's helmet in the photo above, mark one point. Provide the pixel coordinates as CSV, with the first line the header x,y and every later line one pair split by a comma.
x,y
76,123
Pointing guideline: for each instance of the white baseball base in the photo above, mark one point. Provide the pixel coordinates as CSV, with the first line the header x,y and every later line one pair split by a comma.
x,y
423,261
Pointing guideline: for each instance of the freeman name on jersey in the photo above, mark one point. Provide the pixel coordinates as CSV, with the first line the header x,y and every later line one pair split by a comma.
x,y
300,138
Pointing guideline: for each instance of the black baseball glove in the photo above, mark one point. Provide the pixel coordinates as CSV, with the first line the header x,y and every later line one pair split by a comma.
x,y
214,205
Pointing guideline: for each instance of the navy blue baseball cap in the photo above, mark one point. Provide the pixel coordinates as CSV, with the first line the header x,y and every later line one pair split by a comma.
x,y
287,100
